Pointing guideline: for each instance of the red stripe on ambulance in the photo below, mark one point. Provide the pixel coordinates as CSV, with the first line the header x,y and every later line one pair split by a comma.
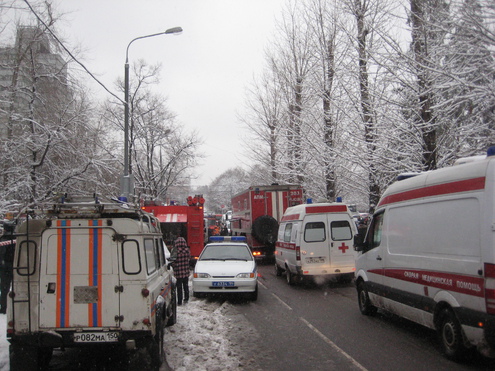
x,y
436,190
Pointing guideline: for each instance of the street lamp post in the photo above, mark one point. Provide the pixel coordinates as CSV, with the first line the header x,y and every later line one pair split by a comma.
x,y
126,182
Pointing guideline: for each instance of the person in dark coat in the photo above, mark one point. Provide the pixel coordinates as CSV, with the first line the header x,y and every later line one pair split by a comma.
x,y
7,246
181,269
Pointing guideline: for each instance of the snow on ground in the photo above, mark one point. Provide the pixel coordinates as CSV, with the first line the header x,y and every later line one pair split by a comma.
x,y
4,344
210,335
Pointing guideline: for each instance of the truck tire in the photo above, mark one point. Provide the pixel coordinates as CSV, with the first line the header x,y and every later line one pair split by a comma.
x,y
365,305
278,270
450,334
265,230
172,320
156,350
28,357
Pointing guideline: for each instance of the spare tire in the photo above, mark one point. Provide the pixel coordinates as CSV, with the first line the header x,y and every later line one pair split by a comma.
x,y
265,230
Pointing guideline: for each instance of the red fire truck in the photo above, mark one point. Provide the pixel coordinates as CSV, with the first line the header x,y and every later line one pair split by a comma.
x,y
257,211
186,219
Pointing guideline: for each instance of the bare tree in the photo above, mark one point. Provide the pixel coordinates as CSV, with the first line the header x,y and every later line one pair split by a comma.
x,y
44,123
263,121
161,154
293,65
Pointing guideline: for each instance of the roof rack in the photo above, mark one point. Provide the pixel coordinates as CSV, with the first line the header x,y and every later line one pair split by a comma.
x,y
65,206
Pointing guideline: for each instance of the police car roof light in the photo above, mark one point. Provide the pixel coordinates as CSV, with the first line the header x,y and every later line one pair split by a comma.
x,y
227,239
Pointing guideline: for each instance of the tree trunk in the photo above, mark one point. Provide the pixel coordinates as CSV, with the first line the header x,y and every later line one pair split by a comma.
x,y
366,108
426,120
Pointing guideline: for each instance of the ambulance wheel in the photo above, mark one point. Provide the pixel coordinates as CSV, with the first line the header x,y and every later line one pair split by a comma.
x,y
365,305
291,279
450,334
278,270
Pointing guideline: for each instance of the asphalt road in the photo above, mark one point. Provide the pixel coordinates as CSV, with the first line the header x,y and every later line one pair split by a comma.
x,y
319,327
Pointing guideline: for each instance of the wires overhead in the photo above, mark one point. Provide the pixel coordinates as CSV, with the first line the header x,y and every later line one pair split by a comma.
x,y
69,53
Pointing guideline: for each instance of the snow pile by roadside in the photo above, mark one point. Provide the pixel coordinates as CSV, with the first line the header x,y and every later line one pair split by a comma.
x,y
209,336
4,344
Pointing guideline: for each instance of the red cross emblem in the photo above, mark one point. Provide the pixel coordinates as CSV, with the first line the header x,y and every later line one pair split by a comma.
x,y
344,247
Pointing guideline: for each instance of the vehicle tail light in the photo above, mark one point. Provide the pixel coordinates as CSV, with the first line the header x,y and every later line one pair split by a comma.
x,y
147,321
298,253
490,288
145,292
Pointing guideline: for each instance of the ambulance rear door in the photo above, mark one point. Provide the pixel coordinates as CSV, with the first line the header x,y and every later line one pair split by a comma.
x,y
326,244
341,230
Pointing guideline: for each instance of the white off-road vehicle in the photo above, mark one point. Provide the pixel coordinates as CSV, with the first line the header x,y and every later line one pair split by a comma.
x,y
88,274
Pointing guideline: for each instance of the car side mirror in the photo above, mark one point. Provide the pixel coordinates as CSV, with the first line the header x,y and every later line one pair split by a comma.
x,y
359,240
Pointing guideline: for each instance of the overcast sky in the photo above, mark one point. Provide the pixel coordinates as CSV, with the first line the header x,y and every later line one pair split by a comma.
x,y
205,70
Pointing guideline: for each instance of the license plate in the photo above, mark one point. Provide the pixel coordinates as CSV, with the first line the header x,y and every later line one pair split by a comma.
x,y
315,260
96,337
223,284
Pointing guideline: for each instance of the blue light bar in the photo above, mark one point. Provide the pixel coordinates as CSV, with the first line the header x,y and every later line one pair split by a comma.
x,y
228,239
238,238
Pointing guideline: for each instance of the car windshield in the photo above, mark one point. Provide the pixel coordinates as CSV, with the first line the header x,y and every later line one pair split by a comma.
x,y
226,252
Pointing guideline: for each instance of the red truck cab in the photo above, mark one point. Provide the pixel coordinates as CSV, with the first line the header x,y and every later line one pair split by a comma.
x,y
186,219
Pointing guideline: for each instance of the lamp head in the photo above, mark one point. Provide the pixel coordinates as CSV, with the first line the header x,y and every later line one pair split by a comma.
x,y
174,30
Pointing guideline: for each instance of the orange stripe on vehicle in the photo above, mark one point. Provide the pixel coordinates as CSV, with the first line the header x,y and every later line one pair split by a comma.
x,y
90,270
63,274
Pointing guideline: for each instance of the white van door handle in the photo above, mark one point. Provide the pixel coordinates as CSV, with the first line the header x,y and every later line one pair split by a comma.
x,y
378,257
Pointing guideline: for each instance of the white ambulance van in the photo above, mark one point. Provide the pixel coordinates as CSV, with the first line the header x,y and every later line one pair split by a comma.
x,y
89,274
315,241
429,255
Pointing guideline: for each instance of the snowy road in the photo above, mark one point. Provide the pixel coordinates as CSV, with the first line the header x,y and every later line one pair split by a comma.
x,y
209,336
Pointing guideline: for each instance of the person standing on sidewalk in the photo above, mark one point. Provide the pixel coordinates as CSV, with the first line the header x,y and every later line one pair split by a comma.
x,y
181,269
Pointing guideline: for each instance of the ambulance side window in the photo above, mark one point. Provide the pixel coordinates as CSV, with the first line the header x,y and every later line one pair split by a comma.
x,y
340,230
374,236
314,232
131,261
149,252
26,260
287,232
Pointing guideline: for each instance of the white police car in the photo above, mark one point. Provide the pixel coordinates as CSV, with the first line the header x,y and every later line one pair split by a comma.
x,y
226,265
